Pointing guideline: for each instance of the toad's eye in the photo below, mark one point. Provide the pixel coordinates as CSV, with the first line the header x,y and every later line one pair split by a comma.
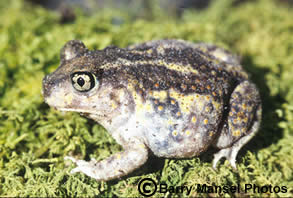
x,y
83,81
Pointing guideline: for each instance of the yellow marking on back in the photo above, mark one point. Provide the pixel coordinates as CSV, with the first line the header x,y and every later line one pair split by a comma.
x,y
207,109
193,119
160,108
239,114
205,121
170,122
140,106
161,49
172,66
150,51
148,107
236,133
160,95
137,52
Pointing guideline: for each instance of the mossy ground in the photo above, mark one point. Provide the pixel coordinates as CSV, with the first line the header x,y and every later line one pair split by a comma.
x,y
34,138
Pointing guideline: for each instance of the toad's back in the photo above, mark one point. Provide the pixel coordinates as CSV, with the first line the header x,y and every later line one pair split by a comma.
x,y
186,67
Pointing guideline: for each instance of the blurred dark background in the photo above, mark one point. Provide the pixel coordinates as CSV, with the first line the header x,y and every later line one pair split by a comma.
x,y
135,8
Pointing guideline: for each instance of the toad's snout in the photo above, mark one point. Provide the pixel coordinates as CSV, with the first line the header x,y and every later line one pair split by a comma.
x,y
47,86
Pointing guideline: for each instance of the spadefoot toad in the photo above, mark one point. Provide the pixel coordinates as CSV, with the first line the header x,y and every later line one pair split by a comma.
x,y
172,98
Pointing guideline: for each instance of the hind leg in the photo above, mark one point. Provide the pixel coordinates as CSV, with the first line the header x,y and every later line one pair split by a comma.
x,y
242,123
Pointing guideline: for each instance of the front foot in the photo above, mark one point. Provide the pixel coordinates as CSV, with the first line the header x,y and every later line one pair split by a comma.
x,y
85,167
115,166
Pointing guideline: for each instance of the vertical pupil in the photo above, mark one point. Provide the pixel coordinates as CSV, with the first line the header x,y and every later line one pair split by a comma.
x,y
80,81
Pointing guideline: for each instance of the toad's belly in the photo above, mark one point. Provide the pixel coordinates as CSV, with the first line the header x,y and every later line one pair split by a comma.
x,y
177,147
176,125
186,137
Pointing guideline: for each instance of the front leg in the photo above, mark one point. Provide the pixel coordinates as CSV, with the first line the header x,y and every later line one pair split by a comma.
x,y
115,166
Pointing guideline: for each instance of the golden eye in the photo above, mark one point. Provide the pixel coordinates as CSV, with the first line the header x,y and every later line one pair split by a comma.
x,y
83,81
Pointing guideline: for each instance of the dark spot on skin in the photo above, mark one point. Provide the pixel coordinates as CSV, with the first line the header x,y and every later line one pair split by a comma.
x,y
112,96
162,145
84,114
110,159
173,106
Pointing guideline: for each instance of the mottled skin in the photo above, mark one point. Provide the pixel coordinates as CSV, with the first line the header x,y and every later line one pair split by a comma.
x,y
169,97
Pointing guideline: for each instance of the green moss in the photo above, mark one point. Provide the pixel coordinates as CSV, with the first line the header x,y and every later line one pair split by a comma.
x,y
34,138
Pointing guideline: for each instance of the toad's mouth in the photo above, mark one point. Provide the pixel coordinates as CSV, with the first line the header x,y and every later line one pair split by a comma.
x,y
81,111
